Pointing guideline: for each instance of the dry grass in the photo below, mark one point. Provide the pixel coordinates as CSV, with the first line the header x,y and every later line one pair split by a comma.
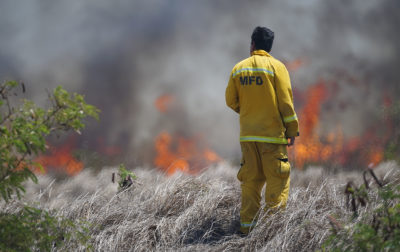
x,y
190,213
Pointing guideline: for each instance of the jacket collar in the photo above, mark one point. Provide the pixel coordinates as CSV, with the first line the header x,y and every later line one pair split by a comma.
x,y
260,52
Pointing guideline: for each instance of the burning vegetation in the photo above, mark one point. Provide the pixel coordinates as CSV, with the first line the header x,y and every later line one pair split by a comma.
x,y
333,148
182,154
191,154
61,159
178,153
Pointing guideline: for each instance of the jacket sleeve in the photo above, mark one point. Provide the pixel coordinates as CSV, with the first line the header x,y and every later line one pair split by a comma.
x,y
285,101
232,96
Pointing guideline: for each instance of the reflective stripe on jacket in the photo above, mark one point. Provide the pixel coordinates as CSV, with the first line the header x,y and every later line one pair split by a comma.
x,y
259,90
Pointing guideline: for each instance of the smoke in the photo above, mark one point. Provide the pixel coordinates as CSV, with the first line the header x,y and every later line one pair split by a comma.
x,y
124,54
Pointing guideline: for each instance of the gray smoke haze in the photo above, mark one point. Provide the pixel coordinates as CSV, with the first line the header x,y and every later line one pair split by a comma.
x,y
124,54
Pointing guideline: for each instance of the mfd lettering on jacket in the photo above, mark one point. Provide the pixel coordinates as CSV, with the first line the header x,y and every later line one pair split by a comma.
x,y
248,80
252,75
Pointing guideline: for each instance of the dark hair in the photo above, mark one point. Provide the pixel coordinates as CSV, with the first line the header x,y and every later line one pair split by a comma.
x,y
262,38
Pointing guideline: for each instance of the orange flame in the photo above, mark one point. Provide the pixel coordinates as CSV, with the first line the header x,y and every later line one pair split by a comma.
x,y
211,156
164,102
311,148
61,159
182,154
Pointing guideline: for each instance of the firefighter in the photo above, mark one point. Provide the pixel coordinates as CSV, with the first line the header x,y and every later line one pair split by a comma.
x,y
259,91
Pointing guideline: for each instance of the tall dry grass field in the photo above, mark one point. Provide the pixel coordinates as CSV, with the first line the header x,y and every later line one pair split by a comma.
x,y
195,213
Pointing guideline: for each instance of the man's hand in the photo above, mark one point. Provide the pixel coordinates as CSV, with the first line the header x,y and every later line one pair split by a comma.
x,y
291,141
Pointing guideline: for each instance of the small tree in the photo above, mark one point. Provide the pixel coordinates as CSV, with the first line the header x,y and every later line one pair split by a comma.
x,y
23,130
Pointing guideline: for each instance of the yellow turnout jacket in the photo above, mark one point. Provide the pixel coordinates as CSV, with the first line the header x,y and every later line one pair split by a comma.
x,y
259,90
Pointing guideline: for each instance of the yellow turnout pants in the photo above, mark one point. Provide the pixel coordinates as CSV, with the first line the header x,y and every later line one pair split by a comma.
x,y
262,163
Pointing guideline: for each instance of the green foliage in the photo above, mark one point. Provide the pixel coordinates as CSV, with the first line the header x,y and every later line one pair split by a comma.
x,y
32,229
125,177
23,130
378,230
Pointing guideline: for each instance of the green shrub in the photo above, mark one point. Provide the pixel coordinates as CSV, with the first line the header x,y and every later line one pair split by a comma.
x,y
376,230
38,230
23,130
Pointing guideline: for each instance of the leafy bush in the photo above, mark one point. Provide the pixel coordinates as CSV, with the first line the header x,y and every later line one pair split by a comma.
x,y
38,230
379,227
23,130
